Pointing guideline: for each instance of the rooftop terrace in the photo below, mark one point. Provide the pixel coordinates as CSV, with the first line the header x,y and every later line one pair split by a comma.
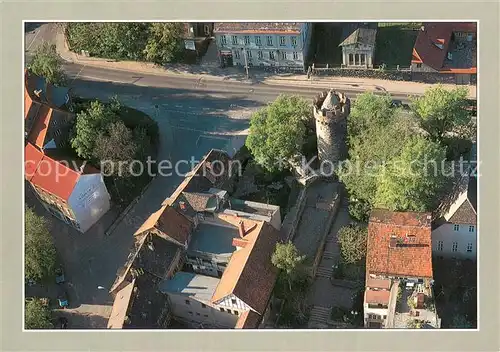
x,y
200,286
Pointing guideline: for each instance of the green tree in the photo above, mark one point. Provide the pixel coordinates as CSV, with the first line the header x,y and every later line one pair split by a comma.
x,y
369,151
40,252
277,132
115,40
164,42
115,145
352,242
370,110
37,315
287,258
47,63
411,180
90,124
441,110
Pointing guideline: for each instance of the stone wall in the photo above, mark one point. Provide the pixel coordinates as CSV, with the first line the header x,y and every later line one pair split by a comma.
x,y
433,77
394,75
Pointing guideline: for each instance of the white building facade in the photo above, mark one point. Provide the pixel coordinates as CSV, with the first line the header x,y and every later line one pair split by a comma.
x,y
260,45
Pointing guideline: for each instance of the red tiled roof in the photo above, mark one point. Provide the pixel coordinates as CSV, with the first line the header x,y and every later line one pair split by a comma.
x,y
378,283
250,275
39,130
410,254
248,320
377,297
425,51
48,174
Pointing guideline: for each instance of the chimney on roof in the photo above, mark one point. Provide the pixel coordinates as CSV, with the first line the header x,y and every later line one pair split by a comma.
x,y
393,242
182,205
38,92
241,228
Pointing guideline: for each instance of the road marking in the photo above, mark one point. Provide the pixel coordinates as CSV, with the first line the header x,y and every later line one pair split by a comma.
x,y
36,34
103,80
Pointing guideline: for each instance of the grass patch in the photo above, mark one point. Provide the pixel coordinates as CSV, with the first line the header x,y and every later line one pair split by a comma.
x,y
394,44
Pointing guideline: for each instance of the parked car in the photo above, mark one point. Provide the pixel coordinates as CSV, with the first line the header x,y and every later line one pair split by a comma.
x,y
62,298
59,276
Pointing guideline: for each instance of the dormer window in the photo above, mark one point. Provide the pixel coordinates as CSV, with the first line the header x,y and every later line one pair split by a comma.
x,y
182,205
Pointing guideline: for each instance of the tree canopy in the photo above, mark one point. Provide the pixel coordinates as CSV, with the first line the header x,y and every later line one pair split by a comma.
x,y
37,315
47,63
89,124
387,155
164,42
287,258
156,42
413,178
277,132
40,252
352,242
441,110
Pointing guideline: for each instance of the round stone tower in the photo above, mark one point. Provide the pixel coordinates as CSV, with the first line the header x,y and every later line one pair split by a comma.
x,y
330,114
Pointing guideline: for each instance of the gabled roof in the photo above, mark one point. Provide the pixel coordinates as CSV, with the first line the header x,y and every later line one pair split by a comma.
x,y
377,297
361,35
459,206
250,275
120,306
248,320
399,244
431,45
197,200
257,27
170,223
50,175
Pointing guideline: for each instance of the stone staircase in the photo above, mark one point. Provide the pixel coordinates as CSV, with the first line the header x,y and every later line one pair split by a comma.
x,y
324,272
331,255
319,317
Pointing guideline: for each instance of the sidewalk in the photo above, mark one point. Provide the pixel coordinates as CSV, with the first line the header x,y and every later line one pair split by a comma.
x,y
238,75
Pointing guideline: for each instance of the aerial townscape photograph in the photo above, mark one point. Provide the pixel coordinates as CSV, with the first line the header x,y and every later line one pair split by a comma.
x,y
250,175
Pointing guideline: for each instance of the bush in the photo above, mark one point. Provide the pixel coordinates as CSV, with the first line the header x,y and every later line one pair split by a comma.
x,y
37,315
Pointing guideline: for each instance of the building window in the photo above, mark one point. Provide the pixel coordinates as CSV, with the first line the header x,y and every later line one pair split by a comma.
x,y
351,59
247,40
469,247
282,41
221,309
233,300
454,247
198,314
237,54
236,312
260,55
235,40
440,246
294,41
203,305
223,40
419,65
356,59
295,55
190,313
205,315
363,56
456,227
249,54
257,40
228,310
385,316
271,55
187,302
283,55
471,228
269,40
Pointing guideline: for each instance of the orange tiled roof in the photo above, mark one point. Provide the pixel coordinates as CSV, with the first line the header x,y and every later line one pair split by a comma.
x,y
250,275
248,320
39,130
399,244
377,297
378,283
